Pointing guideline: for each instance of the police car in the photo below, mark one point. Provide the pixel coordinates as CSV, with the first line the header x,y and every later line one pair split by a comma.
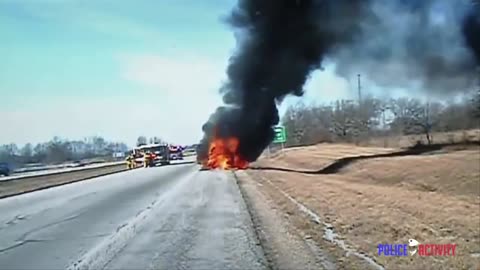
x,y
176,152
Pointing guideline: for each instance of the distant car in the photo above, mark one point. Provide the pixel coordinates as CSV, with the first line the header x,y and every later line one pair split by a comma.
x,y
4,169
80,163
76,163
189,152
176,156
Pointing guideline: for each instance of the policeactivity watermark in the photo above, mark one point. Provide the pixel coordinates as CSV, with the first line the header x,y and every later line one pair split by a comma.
x,y
413,247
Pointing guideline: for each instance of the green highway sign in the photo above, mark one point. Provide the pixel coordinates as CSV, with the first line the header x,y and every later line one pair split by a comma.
x,y
280,134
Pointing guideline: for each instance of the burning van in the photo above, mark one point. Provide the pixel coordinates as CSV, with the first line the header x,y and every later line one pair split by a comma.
x,y
222,154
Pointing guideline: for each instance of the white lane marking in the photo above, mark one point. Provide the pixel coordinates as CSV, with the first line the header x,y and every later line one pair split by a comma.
x,y
329,233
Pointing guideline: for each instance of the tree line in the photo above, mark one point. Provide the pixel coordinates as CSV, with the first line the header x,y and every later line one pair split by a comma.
x,y
59,150
143,140
356,121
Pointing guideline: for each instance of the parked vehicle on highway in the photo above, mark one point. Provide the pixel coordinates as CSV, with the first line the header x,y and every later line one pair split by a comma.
x,y
4,169
176,152
189,152
160,151
77,163
149,160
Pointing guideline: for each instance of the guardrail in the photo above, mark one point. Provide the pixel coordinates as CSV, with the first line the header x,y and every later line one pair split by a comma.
x,y
38,168
28,175
32,183
20,185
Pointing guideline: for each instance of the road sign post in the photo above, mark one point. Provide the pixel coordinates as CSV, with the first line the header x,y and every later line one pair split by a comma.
x,y
280,135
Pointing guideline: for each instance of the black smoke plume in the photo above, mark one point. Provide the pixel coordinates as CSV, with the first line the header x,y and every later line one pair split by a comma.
x,y
427,45
280,42
471,29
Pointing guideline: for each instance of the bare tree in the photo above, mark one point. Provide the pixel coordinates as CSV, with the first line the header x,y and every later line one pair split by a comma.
x,y
414,117
141,140
344,120
457,116
475,105
99,145
58,150
158,140
307,124
294,124
8,153
27,152
11,149
347,120
321,124
368,117
39,152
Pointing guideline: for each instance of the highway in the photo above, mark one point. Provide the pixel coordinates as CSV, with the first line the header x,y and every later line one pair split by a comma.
x,y
169,217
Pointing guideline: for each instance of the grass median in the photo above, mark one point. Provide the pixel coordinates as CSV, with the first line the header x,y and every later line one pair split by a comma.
x,y
29,184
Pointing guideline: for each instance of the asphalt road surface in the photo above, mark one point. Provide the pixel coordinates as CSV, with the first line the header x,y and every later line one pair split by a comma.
x,y
169,217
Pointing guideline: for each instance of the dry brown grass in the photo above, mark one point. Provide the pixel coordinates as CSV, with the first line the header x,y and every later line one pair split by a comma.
x,y
437,137
432,198
317,156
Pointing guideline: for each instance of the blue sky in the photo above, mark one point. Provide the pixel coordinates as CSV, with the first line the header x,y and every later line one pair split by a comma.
x,y
72,68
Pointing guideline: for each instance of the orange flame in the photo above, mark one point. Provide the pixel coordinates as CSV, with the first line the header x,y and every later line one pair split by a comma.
x,y
223,154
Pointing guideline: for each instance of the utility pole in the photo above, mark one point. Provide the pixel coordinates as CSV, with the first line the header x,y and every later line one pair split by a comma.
x,y
428,124
385,142
359,90
360,117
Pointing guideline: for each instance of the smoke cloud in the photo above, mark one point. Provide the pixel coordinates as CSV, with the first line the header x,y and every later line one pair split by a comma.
x,y
471,29
394,43
428,45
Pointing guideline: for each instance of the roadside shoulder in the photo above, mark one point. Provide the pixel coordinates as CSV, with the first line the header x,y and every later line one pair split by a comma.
x,y
283,246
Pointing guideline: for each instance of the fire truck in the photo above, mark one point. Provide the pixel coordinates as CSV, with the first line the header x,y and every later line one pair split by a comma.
x,y
161,153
